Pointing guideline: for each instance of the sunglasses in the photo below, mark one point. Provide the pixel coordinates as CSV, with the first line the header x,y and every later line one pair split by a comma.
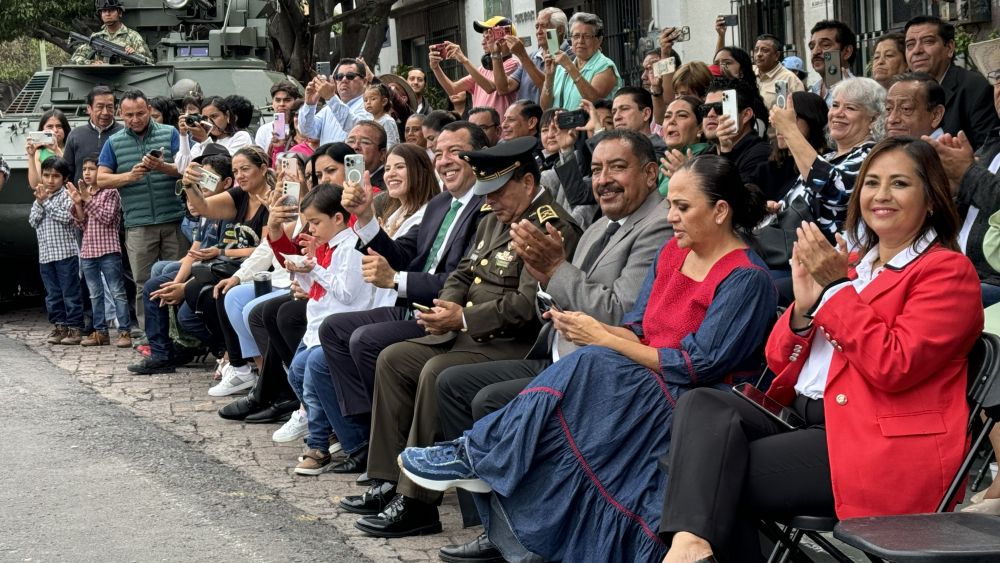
x,y
350,76
704,109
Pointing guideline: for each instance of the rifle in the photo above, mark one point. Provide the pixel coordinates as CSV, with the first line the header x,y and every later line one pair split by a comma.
x,y
108,49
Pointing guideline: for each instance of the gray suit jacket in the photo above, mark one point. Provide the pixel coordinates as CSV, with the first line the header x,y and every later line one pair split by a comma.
x,y
609,288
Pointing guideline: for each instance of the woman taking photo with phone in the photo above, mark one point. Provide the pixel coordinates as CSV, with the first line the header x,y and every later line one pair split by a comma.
x,y
590,76
218,124
861,357
54,126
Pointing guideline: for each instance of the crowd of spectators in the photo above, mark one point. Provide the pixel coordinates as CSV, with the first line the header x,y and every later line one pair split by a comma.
x,y
378,275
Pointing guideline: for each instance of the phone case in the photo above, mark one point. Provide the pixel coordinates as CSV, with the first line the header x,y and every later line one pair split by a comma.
x,y
552,38
730,106
279,125
355,165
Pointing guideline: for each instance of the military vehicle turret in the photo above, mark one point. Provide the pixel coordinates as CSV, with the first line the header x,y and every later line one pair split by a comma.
x,y
219,45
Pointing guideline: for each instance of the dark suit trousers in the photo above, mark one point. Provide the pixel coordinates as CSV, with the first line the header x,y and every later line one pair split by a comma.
x,y
352,342
730,464
467,393
279,325
404,410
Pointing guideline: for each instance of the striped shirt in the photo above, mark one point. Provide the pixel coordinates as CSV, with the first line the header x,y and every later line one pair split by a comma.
x,y
55,228
99,220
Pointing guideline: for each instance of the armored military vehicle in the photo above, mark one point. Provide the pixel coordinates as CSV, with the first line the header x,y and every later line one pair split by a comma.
x,y
220,45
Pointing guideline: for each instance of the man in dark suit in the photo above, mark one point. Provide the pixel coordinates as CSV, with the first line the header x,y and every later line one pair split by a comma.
x,y
602,280
930,46
416,266
484,312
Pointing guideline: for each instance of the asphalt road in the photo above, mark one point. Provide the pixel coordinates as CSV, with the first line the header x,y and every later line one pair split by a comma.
x,y
82,479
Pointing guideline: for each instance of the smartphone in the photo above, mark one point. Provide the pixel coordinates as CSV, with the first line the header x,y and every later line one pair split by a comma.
x,y
355,167
296,260
730,107
780,413
546,302
781,93
441,49
156,153
323,68
731,20
552,40
500,31
209,180
291,189
279,125
682,34
572,119
421,308
832,73
663,67
42,137
289,162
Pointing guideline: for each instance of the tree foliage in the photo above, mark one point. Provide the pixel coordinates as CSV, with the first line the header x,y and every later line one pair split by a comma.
x,y
44,19
19,59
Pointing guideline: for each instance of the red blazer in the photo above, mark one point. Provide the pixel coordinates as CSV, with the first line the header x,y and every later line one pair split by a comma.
x,y
895,400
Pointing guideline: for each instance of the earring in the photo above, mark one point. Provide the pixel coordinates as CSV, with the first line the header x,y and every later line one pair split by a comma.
x,y
718,221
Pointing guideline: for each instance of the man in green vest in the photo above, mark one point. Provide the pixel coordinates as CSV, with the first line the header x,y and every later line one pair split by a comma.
x,y
138,161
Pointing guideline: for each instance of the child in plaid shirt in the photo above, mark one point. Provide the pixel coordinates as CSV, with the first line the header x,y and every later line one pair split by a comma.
x,y
98,214
58,253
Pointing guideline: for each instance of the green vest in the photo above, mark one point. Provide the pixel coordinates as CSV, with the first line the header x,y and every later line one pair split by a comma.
x,y
151,200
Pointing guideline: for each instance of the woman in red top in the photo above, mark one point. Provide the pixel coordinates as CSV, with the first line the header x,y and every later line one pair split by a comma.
x,y
873,358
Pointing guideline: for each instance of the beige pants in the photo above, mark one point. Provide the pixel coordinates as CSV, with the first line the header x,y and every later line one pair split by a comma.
x,y
145,245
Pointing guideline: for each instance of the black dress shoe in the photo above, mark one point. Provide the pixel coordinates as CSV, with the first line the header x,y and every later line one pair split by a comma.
x,y
240,408
403,517
479,550
364,480
373,501
354,463
274,413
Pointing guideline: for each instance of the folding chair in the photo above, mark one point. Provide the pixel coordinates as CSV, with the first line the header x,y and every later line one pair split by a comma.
x,y
943,536
983,396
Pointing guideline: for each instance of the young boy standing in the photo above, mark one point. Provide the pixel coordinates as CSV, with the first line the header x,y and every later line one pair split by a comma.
x,y
58,253
98,213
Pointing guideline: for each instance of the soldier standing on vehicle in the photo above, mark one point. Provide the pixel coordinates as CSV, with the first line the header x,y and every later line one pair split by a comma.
x,y
111,12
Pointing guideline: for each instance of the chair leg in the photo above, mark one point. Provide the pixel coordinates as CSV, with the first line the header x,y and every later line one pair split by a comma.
x,y
828,547
793,548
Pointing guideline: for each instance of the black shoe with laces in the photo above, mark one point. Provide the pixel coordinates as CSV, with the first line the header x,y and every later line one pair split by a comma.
x,y
373,501
150,366
402,517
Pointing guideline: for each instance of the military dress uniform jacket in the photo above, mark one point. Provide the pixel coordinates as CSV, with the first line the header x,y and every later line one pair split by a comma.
x,y
496,291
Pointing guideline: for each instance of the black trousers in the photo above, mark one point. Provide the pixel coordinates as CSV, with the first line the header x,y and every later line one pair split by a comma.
x,y
279,325
730,464
352,342
470,392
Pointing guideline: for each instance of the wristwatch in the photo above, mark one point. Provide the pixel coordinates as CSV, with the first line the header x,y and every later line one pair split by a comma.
x,y
395,281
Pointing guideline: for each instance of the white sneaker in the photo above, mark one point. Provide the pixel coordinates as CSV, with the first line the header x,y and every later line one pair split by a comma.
x,y
296,427
233,381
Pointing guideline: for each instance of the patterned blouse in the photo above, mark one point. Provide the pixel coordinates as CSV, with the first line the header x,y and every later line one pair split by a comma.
x,y
829,186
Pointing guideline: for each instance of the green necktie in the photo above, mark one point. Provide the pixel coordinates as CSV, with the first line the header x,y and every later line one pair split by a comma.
x,y
449,218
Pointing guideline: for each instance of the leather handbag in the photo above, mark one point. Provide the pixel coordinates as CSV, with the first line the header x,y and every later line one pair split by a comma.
x,y
773,242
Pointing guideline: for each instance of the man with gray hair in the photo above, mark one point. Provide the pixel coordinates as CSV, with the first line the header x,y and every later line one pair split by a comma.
x,y
530,76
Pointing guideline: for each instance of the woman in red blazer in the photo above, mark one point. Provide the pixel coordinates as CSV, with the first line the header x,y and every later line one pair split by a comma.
x,y
872,357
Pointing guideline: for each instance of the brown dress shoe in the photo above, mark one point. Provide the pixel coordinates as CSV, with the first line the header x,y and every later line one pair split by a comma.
x,y
57,334
124,339
96,339
72,337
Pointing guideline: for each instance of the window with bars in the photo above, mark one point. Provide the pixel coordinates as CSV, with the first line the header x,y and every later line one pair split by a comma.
x,y
776,17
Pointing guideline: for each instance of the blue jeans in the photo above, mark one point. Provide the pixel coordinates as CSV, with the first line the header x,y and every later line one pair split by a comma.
x,y
165,267
110,265
158,321
62,292
311,380
239,301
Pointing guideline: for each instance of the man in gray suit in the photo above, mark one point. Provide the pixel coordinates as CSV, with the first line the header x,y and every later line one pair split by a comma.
x,y
602,280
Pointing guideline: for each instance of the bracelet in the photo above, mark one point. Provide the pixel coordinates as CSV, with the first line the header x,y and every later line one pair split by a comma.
x,y
494,56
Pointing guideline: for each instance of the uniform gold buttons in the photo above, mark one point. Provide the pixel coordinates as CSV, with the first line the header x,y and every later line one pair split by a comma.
x,y
484,262
477,280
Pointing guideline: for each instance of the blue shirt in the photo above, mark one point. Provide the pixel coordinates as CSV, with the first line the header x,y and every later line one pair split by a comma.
x,y
333,122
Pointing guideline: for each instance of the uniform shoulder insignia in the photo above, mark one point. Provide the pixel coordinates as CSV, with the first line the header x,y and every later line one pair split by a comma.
x,y
545,214
486,208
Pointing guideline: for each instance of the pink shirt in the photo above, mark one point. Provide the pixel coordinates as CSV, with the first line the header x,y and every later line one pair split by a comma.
x,y
479,96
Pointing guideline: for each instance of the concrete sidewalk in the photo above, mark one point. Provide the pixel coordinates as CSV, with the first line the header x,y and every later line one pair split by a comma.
x,y
179,403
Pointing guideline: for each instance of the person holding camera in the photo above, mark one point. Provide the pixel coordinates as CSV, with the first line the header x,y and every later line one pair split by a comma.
x,y
216,124
49,140
345,105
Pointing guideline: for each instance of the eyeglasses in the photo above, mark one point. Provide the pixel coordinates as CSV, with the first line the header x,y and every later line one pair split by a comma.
x,y
582,37
362,142
704,109
350,76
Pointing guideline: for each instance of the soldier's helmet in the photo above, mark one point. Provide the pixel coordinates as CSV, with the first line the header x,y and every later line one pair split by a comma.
x,y
109,5
183,87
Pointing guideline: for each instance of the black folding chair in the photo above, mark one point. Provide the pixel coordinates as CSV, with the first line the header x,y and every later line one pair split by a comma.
x,y
984,397
943,536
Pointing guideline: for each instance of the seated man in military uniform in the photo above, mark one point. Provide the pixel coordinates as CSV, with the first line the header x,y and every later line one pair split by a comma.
x,y
112,29
486,311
